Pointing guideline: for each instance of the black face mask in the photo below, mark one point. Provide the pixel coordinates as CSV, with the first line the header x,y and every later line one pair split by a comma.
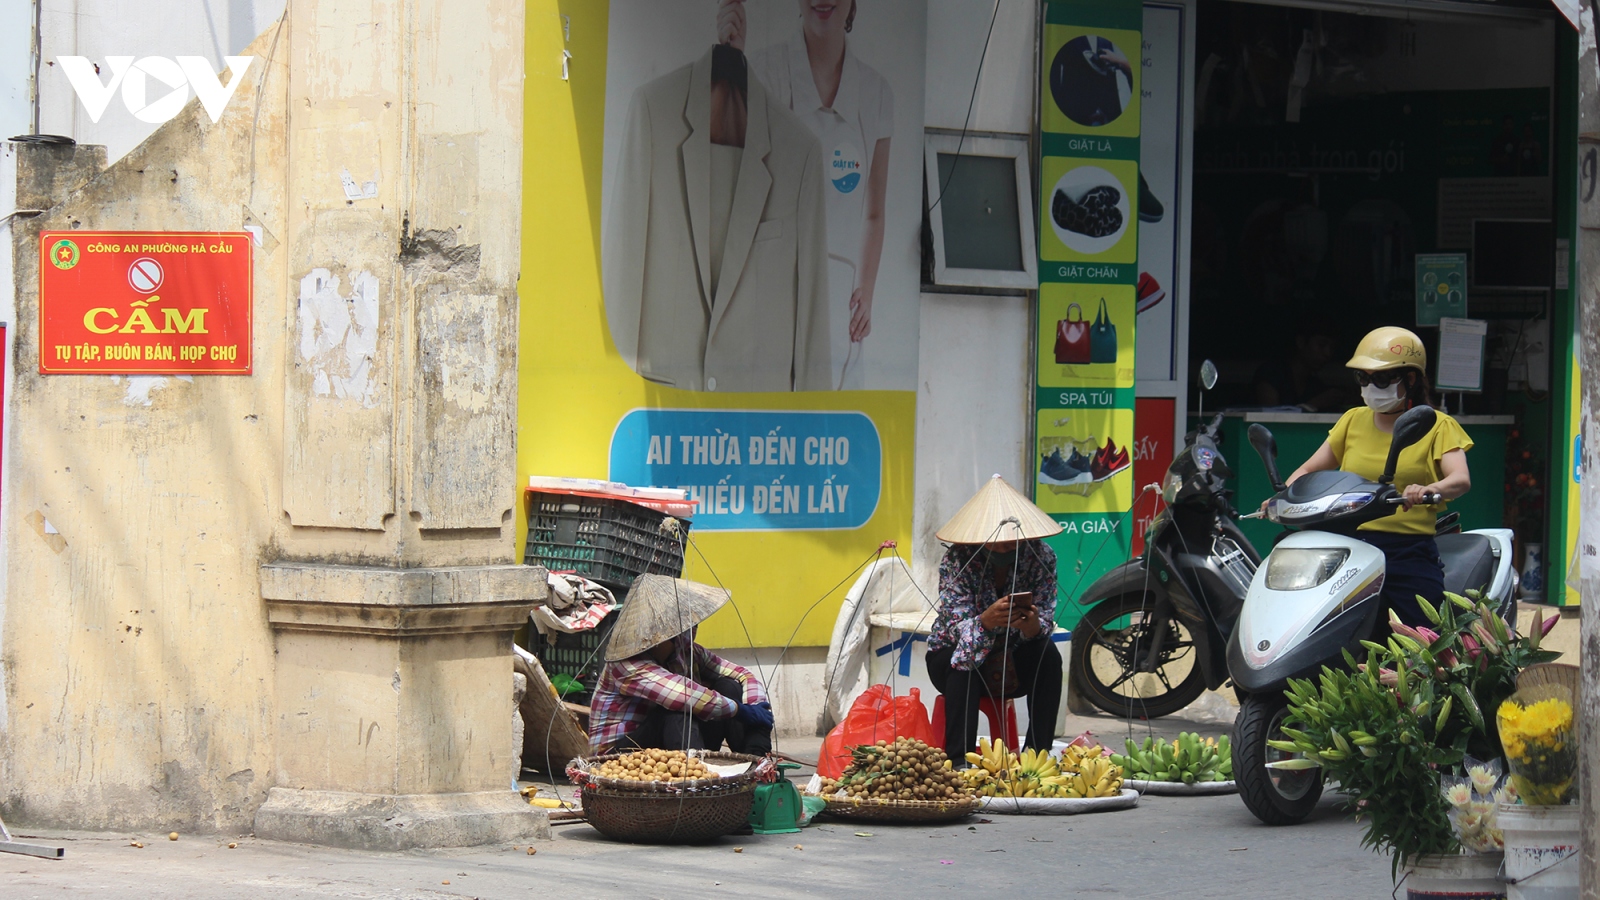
x,y
1002,561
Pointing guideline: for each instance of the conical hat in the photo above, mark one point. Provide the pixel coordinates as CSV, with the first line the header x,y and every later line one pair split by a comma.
x,y
659,607
998,513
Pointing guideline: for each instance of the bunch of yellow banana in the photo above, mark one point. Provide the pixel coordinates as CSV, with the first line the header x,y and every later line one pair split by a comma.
x,y
1096,776
1073,756
1079,772
994,758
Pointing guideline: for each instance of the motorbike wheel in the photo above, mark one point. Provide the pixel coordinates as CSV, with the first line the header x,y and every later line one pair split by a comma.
x,y
1109,643
1275,796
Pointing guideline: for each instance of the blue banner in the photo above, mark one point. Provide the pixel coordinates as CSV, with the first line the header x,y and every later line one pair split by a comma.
x,y
755,470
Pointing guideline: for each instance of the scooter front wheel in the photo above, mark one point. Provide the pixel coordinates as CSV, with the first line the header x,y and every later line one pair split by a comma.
x,y
1111,647
1275,796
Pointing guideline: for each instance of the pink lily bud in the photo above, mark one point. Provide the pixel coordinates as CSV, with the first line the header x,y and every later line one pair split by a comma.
x,y
1485,637
1426,635
1448,657
1399,627
1388,678
1471,646
1550,623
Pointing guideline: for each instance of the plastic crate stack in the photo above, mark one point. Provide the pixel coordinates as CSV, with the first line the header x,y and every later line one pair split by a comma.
x,y
606,539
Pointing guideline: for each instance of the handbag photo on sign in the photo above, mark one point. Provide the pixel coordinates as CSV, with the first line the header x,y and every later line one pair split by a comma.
x,y
1072,338
1103,337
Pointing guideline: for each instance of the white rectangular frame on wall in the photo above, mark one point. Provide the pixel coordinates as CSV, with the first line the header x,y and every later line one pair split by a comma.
x,y
1020,150
1177,386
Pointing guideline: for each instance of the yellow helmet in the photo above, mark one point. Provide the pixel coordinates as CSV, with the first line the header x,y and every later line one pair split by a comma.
x,y
1389,348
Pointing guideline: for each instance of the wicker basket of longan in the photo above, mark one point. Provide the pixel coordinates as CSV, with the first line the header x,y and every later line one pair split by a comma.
x,y
900,781
668,796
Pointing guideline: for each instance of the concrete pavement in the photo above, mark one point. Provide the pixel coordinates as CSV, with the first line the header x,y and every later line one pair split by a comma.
x,y
1198,847
1202,847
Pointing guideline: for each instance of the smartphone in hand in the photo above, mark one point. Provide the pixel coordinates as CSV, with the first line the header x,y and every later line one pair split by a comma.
x,y
1022,600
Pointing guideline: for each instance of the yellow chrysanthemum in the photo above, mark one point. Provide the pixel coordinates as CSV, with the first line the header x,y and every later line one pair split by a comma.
x,y
1546,718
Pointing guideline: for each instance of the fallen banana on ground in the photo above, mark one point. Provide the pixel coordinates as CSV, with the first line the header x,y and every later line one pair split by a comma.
x,y
1080,772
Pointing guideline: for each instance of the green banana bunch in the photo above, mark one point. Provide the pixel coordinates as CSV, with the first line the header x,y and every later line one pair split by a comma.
x,y
1189,759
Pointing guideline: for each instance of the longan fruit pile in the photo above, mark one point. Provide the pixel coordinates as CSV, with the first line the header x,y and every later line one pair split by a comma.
x,y
906,769
655,765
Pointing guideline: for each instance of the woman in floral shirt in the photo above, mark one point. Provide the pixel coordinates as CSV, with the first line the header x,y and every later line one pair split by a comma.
x,y
997,597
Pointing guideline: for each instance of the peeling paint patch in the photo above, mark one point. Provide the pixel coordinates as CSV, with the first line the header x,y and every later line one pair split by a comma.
x,y
42,527
458,334
339,335
141,387
367,191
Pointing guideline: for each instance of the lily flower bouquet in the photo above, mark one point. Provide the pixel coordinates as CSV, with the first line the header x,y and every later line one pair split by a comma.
x,y
1391,728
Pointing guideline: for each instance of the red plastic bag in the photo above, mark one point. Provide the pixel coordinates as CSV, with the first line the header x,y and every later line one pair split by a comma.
x,y
877,715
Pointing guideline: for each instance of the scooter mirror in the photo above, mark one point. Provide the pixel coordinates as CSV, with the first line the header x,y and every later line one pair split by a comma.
x,y
1267,446
1412,426
1208,375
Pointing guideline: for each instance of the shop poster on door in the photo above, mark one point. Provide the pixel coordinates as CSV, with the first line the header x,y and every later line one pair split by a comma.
x,y
1088,272
735,311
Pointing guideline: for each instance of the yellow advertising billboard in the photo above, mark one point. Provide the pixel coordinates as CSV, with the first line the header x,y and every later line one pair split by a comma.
x,y
720,282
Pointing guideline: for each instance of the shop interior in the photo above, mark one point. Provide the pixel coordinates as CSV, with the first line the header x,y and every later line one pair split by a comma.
x,y
1331,149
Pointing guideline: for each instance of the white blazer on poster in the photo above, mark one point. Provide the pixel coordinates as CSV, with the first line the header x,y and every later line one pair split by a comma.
x,y
761,321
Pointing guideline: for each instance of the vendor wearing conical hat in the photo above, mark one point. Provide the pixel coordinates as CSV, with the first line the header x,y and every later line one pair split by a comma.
x,y
660,689
997,604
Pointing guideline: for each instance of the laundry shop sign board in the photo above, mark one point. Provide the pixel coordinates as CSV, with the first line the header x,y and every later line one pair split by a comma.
x,y
1090,205
144,302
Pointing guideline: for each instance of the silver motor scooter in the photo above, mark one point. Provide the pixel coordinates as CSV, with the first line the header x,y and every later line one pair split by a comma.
x,y
1318,594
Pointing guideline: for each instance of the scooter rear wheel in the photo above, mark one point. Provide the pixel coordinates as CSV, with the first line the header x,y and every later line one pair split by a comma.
x,y
1276,797
1108,645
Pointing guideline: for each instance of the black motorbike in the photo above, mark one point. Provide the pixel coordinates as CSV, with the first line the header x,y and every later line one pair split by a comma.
x,y
1156,634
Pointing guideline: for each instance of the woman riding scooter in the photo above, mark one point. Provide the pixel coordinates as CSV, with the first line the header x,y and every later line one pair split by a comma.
x,y
1390,365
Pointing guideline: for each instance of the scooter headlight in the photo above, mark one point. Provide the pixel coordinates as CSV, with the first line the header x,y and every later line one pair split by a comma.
x,y
1349,503
1297,569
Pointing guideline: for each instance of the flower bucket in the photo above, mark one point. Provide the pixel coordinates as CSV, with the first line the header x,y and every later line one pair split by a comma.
x,y
1473,877
1541,842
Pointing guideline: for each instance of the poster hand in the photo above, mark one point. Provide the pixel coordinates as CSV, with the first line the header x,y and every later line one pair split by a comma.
x,y
731,23
860,314
1115,58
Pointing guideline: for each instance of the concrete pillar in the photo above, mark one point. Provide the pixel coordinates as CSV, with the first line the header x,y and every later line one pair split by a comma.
x,y
393,730
1589,352
393,604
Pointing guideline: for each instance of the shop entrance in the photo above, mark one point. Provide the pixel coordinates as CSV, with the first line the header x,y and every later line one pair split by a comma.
x,y
1331,151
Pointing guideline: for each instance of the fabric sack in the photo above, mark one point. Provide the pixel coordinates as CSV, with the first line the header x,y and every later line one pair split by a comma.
x,y
1103,337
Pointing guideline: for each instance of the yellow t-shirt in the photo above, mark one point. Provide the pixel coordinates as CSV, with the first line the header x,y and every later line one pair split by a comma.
x,y
1361,448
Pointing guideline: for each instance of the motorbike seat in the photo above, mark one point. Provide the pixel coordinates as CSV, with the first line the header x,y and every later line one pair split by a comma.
x,y
1468,561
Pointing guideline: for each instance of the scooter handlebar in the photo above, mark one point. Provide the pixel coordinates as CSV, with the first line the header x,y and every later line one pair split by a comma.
x,y
1429,498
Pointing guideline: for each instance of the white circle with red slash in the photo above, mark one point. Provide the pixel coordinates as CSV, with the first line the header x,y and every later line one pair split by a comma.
x,y
145,275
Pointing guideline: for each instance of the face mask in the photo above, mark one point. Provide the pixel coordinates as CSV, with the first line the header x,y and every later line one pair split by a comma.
x,y
1383,400
1002,560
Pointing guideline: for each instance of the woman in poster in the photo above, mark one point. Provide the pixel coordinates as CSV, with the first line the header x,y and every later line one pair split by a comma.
x,y
850,108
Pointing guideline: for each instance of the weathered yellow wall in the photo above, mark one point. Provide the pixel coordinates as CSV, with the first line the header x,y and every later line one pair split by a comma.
x,y
136,646
138,661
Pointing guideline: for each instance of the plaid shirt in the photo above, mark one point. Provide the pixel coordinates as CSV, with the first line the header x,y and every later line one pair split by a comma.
x,y
630,687
966,589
